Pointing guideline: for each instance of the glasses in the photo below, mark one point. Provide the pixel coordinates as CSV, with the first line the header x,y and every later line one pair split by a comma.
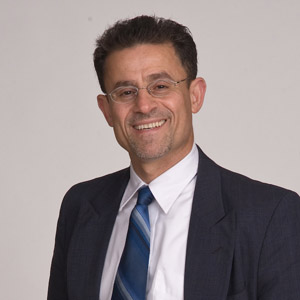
x,y
159,89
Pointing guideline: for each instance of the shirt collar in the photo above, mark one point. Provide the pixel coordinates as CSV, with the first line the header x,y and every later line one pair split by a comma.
x,y
167,187
134,184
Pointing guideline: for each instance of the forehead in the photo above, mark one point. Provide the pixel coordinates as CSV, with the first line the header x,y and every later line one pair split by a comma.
x,y
139,63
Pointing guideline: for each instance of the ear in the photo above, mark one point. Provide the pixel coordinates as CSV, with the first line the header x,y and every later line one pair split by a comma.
x,y
197,93
105,108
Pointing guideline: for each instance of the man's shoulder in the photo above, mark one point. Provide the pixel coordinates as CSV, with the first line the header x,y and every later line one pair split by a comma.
x,y
86,191
97,183
242,192
238,184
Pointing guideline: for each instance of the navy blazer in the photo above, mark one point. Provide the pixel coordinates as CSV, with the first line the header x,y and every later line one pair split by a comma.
x,y
243,239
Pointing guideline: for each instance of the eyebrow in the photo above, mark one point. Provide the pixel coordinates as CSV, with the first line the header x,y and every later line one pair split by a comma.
x,y
151,77
161,75
123,83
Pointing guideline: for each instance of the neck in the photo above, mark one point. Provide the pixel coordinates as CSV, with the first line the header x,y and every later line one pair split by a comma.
x,y
149,169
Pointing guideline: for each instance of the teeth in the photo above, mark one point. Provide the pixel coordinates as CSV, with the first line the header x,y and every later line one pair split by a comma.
x,y
150,125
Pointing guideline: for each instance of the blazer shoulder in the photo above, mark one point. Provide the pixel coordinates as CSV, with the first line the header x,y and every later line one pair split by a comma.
x,y
85,191
243,191
240,192
95,184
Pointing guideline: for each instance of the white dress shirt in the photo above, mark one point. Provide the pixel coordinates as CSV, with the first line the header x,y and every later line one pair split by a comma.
x,y
169,217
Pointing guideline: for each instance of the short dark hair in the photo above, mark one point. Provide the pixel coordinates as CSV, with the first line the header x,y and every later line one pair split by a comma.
x,y
146,30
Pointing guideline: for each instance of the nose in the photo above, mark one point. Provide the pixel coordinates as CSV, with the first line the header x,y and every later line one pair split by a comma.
x,y
144,102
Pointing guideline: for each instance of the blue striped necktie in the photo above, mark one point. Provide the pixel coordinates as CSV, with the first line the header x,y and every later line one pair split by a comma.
x,y
131,278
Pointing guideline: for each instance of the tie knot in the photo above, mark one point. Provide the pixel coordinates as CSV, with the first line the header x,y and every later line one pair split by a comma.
x,y
145,196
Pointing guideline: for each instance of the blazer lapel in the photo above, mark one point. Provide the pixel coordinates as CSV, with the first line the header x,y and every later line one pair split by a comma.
x,y
211,237
91,237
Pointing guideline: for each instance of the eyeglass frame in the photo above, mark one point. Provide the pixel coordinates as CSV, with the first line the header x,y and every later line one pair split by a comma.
x,y
175,83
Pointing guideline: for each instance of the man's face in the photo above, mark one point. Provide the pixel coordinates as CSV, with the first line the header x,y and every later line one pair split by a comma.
x,y
151,128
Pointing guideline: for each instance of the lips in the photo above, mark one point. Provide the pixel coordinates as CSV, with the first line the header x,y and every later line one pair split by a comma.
x,y
150,125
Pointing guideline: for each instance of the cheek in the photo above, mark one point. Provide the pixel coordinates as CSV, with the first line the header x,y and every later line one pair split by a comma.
x,y
117,114
120,131
119,121
182,110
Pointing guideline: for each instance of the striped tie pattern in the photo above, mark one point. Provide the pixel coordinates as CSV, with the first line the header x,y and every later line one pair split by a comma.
x,y
131,278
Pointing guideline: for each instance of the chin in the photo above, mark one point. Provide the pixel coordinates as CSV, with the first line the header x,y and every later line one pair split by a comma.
x,y
151,154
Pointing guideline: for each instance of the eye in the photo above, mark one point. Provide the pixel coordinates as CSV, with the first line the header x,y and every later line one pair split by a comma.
x,y
160,86
125,92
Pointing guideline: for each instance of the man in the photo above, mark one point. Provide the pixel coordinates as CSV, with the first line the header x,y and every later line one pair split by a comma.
x,y
205,232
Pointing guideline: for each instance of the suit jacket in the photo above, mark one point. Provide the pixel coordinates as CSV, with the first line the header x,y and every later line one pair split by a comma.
x,y
243,239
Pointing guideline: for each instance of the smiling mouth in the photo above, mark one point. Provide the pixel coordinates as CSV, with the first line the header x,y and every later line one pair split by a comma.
x,y
150,125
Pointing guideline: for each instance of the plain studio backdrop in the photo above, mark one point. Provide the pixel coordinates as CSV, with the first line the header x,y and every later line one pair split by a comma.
x,y
53,135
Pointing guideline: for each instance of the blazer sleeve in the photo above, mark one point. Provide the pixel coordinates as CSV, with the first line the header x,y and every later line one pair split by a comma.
x,y
279,264
57,289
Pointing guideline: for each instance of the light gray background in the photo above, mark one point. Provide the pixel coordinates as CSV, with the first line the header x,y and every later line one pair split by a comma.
x,y
53,135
